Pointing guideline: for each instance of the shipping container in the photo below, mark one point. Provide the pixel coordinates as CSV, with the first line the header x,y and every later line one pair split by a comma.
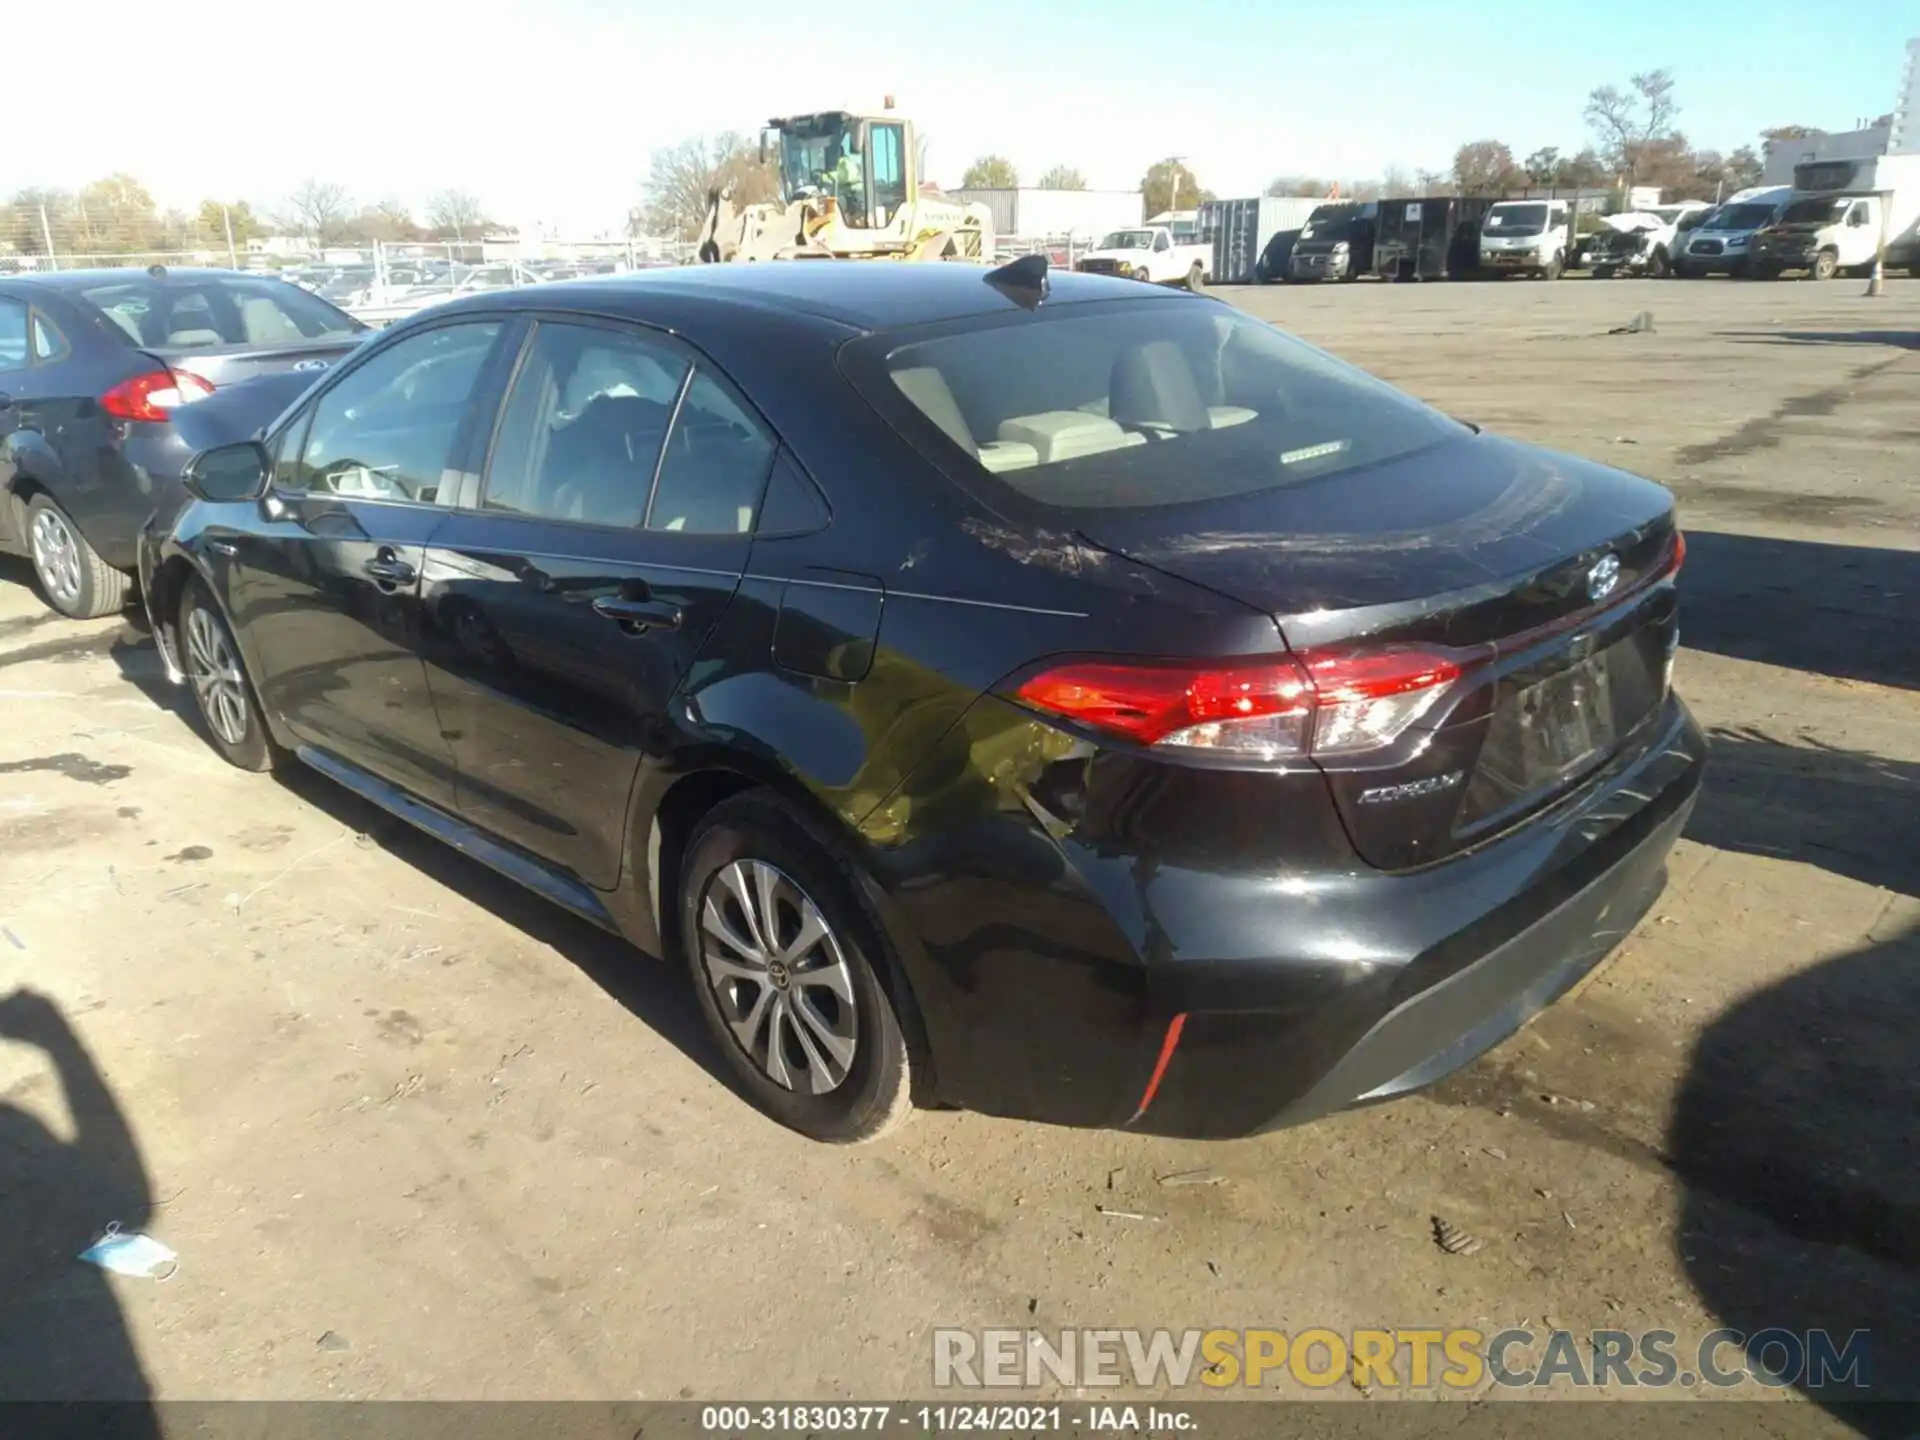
x,y
1241,230
1430,237
1083,214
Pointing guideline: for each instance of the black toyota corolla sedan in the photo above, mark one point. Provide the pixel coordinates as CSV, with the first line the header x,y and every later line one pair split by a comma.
x,y
1046,695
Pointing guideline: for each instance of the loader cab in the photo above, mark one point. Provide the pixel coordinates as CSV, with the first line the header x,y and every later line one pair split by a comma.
x,y
860,164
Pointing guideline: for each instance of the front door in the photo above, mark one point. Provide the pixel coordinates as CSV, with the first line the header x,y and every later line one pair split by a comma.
x,y
328,587
611,530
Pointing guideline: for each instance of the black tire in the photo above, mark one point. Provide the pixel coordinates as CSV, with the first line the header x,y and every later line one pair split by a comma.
x,y
223,694
1196,278
864,1096
1825,266
74,580
1658,266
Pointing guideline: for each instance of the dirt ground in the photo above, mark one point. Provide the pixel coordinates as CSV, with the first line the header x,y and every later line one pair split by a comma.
x,y
416,1134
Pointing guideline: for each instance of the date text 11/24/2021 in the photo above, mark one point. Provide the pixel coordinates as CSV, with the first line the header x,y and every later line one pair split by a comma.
x,y
945,1419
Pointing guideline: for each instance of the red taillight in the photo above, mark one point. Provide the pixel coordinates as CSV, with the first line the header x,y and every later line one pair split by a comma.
x,y
1322,704
153,396
1679,555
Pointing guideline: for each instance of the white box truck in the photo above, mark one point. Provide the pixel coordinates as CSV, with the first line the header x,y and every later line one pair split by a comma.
x,y
1838,214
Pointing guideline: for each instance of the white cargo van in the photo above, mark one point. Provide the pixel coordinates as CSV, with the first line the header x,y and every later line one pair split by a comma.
x,y
1527,237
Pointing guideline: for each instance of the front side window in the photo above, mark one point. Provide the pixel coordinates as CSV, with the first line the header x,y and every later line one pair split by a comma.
x,y
584,427
1141,405
386,431
13,335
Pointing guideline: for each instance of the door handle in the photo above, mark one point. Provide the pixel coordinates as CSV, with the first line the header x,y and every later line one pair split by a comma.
x,y
636,615
223,547
388,570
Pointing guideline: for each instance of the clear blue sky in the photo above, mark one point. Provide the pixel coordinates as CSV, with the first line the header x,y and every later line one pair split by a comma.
x,y
547,109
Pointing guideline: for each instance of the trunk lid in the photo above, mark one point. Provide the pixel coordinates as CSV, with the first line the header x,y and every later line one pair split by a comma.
x,y
224,365
1546,573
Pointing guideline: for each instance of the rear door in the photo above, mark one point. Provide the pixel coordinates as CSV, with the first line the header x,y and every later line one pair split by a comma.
x,y
326,588
49,407
568,603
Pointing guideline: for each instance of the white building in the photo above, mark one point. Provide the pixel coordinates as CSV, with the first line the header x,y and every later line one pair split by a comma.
x,y
1905,136
1865,144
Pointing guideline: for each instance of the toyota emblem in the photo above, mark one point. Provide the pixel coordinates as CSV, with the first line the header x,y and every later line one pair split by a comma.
x,y
1602,578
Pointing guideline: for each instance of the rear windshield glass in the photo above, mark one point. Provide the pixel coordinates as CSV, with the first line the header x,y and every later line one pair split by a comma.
x,y
1140,405
217,310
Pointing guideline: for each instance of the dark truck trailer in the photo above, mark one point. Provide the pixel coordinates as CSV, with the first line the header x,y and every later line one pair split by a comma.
x,y
1336,243
1430,237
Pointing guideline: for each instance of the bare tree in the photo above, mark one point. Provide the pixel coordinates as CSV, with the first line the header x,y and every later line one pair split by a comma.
x,y
1484,167
1790,132
318,211
681,177
1063,177
1394,180
1543,165
990,172
1433,182
1303,186
396,218
1629,122
455,213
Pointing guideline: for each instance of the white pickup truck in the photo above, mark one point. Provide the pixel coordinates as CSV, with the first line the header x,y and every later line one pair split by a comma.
x,y
1150,253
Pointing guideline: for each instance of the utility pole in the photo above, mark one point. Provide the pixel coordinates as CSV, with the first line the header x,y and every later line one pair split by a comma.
x,y
226,219
46,233
1175,161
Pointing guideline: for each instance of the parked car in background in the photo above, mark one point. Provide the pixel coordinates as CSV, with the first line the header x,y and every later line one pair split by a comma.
x,y
1722,242
1336,243
96,369
1150,253
1527,237
1049,696
1642,242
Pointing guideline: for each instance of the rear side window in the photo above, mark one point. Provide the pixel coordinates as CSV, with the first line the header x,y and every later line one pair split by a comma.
x,y
217,310
48,344
386,430
715,466
1140,405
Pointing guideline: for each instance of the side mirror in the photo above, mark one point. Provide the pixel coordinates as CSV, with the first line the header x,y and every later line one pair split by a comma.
x,y
228,472
763,147
859,137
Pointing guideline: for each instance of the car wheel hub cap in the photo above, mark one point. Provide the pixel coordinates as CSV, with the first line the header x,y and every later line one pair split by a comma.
x,y
56,555
779,976
218,683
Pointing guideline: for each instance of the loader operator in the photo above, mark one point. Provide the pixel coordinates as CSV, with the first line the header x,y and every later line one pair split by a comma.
x,y
846,180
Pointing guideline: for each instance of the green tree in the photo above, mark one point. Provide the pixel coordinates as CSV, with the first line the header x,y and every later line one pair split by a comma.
x,y
1303,186
1543,165
210,224
1170,185
990,172
1581,171
116,216
1743,169
1063,177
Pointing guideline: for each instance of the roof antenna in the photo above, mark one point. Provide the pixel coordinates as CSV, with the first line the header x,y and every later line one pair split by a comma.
x,y
1023,280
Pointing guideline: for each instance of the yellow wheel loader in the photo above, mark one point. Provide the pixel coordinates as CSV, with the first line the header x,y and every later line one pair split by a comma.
x,y
849,190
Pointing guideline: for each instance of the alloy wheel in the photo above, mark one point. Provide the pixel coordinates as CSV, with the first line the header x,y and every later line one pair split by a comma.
x,y
56,556
218,682
779,976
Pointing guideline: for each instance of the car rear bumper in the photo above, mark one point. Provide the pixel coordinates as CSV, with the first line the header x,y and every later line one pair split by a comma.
x,y
1259,1000
1399,1027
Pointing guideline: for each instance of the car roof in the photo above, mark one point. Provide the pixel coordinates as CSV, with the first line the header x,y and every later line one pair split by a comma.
x,y
862,295
86,279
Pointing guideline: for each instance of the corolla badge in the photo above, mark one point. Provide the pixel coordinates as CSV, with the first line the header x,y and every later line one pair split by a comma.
x,y
1602,578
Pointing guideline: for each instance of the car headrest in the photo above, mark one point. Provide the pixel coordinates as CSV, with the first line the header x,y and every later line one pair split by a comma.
x,y
1153,384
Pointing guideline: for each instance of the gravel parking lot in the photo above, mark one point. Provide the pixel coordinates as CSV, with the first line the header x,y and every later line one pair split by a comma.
x,y
414,1133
